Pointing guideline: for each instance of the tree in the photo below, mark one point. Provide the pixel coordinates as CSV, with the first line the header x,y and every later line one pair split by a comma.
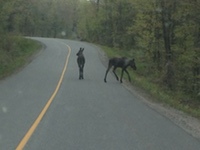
x,y
168,8
187,47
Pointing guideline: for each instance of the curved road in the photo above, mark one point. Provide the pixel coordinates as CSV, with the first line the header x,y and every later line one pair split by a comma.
x,y
84,115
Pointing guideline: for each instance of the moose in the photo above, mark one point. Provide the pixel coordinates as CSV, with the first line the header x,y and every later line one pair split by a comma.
x,y
81,62
121,62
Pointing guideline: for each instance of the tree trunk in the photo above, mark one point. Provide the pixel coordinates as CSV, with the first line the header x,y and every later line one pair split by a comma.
x,y
167,32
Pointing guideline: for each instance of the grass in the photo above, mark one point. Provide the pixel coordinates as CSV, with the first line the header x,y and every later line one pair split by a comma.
x,y
159,93
14,53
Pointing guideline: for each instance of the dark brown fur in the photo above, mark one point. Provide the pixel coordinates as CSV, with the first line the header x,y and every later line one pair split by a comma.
x,y
123,63
81,62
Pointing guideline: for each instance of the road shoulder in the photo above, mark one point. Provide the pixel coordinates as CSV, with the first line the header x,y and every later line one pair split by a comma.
x,y
188,123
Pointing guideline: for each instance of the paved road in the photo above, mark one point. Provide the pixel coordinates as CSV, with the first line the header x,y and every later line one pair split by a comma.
x,y
84,115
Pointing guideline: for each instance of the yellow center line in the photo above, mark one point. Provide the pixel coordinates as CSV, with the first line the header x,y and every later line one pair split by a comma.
x,y
39,118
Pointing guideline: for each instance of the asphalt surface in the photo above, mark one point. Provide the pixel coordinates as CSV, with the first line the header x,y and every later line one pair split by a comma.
x,y
85,114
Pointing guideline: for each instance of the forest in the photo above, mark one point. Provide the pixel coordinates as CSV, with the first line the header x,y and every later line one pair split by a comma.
x,y
162,35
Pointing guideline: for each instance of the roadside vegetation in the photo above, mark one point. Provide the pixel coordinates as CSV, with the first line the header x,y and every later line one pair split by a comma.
x,y
162,35
15,52
158,92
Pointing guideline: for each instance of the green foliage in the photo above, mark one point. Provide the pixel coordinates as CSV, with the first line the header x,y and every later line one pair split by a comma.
x,y
108,24
14,52
163,35
50,18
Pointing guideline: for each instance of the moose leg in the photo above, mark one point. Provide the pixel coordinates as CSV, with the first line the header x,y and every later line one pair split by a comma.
x,y
121,75
128,75
115,73
107,73
82,73
79,73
